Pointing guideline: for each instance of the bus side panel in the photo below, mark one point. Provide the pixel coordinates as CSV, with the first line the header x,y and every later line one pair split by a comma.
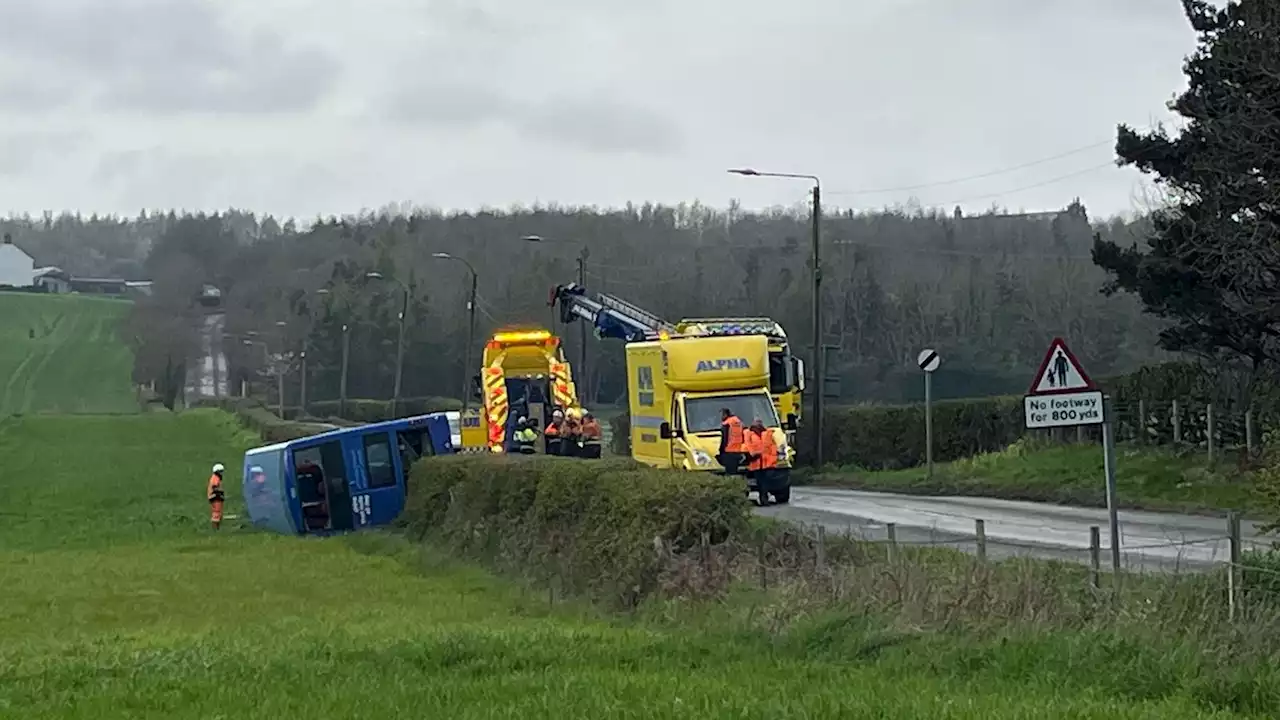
x,y
377,489
645,389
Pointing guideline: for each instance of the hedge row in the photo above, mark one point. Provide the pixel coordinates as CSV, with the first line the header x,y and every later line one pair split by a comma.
x,y
879,437
368,411
592,528
256,417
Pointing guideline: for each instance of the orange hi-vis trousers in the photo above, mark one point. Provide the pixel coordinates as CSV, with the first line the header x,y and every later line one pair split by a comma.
x,y
215,510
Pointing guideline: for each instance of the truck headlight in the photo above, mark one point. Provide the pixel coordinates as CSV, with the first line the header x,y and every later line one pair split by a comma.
x,y
701,459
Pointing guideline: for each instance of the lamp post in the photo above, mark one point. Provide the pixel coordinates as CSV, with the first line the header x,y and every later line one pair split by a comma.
x,y
471,325
819,357
346,356
583,253
404,310
274,368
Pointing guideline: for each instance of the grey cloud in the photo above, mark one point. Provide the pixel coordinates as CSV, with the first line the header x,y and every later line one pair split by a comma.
x,y
25,152
165,56
602,125
595,124
451,106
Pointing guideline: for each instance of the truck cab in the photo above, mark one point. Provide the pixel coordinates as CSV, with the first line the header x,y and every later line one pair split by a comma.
x,y
677,388
786,371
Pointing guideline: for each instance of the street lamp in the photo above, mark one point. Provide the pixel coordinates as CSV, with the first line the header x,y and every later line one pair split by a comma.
x,y
272,367
583,253
471,325
404,310
819,359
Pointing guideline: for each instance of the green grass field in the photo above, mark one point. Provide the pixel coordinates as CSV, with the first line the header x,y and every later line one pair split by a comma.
x,y
119,601
1146,478
61,353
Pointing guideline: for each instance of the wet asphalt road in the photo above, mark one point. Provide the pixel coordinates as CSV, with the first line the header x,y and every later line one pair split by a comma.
x,y
1148,541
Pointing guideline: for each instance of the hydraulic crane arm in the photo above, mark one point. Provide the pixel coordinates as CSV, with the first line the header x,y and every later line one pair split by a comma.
x,y
610,315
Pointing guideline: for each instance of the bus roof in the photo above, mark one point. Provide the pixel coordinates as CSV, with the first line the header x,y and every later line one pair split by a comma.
x,y
385,425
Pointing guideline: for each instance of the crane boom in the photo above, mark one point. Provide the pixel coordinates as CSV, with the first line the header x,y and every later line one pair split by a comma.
x,y
611,316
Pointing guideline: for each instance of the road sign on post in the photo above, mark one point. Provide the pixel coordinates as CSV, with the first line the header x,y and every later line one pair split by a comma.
x,y
1062,395
928,360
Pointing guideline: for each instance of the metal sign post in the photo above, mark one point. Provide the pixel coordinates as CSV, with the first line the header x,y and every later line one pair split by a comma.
x,y
1062,395
928,360
1109,465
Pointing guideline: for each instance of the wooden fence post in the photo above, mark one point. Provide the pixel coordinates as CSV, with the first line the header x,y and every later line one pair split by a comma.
x,y
893,540
1250,433
764,569
1095,556
1177,424
1233,570
821,560
980,530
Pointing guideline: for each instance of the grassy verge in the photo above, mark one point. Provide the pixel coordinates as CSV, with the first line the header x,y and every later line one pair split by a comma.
x,y
119,602
62,353
1146,478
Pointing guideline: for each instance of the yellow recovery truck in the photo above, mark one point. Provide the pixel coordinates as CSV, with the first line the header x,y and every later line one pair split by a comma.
x,y
678,384
523,369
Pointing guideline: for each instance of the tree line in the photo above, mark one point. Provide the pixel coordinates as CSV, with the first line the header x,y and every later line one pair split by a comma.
x,y
987,291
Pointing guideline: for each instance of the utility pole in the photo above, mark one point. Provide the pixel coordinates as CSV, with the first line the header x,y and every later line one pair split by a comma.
x,y
302,386
342,382
471,338
820,354
582,327
395,394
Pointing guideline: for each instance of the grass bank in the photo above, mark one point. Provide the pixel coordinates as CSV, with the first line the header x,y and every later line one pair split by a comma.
x,y
119,602
1147,478
62,353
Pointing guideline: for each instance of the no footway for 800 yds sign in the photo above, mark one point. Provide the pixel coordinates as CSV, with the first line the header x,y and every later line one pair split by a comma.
x,y
1046,411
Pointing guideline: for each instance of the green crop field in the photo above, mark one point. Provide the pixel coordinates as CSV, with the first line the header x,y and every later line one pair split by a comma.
x,y
119,601
62,353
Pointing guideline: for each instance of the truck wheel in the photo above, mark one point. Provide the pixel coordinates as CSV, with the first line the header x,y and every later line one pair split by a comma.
x,y
782,496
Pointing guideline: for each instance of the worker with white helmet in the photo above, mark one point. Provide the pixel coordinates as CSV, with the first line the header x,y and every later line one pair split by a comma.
x,y
216,495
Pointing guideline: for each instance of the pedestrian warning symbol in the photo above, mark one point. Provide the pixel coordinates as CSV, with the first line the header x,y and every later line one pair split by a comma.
x,y
1060,372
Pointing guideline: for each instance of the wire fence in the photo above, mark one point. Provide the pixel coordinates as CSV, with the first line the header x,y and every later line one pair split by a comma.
x,y
1218,430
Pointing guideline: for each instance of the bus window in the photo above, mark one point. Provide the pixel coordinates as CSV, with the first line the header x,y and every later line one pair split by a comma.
x,y
377,455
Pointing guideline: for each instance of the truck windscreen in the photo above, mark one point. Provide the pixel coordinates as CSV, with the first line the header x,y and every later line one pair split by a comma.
x,y
703,414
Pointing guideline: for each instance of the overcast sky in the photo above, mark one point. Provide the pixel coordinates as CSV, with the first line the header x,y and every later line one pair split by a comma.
x,y
298,107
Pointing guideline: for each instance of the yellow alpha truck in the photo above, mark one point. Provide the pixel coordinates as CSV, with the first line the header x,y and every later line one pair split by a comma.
x,y
676,389
524,371
613,317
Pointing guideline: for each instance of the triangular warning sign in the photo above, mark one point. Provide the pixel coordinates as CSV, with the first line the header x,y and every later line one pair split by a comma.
x,y
1060,372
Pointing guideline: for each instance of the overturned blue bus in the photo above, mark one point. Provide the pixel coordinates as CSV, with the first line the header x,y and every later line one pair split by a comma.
x,y
346,479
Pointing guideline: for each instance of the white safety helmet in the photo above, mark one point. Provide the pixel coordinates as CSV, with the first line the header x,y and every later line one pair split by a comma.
x,y
217,468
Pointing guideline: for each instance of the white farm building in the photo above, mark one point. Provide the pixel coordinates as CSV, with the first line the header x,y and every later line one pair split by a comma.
x,y
17,269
